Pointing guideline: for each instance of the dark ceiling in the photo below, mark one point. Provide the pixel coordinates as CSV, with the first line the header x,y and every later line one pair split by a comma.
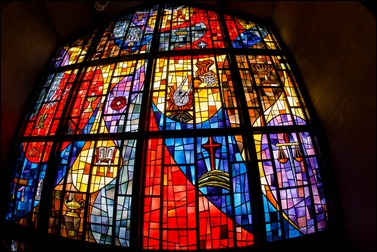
x,y
72,17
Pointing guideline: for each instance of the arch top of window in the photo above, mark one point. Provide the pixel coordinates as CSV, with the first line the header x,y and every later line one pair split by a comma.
x,y
178,28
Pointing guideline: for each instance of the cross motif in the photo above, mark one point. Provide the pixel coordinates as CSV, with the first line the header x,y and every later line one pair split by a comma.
x,y
211,147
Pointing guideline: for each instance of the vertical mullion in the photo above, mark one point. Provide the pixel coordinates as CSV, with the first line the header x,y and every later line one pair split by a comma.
x,y
252,165
278,188
53,160
116,193
256,88
136,226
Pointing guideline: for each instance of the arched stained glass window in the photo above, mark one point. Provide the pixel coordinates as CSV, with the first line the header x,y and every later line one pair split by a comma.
x,y
170,128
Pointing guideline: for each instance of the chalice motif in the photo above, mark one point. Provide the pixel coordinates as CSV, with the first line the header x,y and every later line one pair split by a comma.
x,y
90,99
72,218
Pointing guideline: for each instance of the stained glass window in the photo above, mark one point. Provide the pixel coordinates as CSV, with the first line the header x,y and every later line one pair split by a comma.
x,y
179,126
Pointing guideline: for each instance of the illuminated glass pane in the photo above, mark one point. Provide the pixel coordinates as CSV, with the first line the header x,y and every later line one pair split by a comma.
x,y
221,215
270,91
98,175
248,34
131,34
290,181
181,99
190,92
184,27
48,107
74,52
27,183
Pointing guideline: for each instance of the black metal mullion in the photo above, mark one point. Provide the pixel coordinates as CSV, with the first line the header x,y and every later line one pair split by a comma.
x,y
53,161
59,137
309,182
258,89
116,194
136,234
81,75
252,164
64,190
277,188
164,131
282,87
125,33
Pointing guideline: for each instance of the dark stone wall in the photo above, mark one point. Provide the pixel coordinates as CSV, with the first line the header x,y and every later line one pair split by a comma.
x,y
334,46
